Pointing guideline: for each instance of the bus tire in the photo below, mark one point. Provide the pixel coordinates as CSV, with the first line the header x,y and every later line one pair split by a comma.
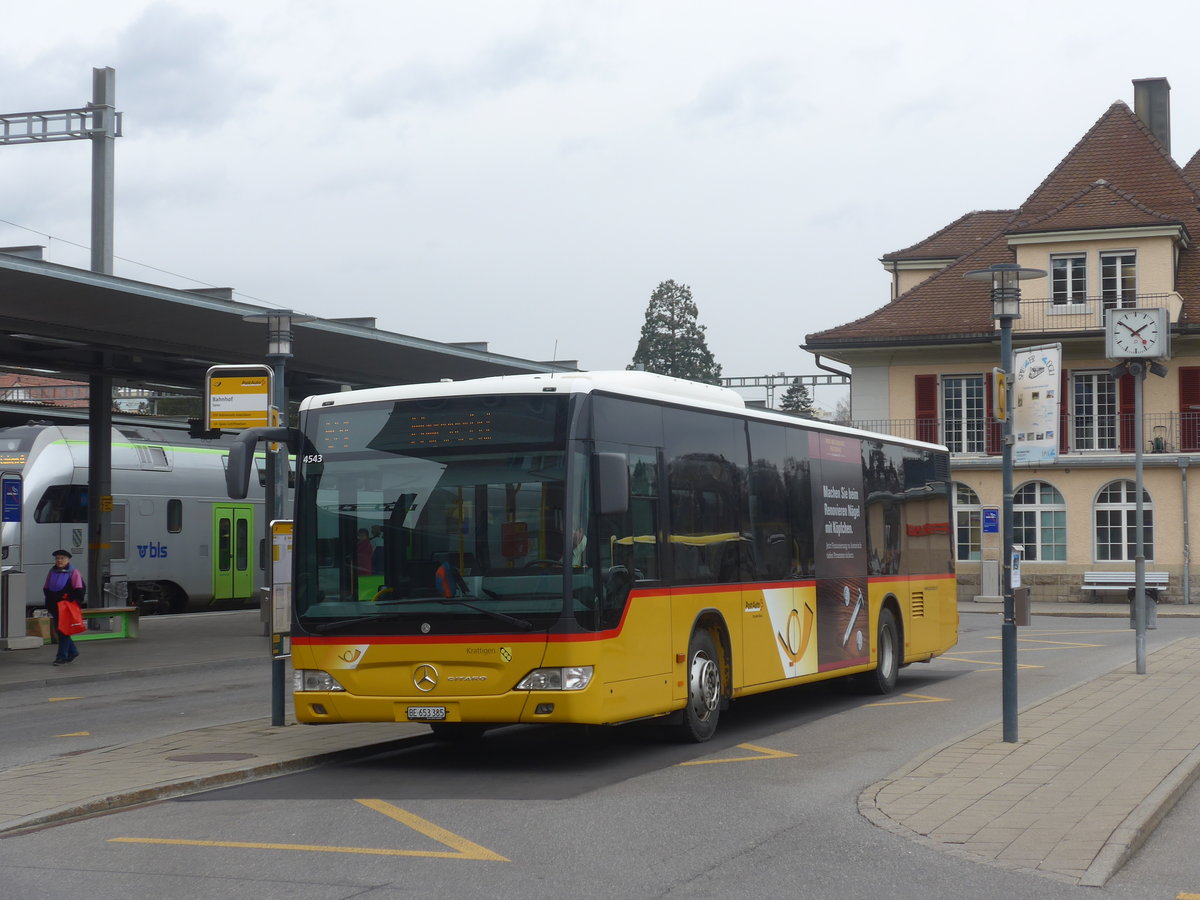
x,y
704,690
882,679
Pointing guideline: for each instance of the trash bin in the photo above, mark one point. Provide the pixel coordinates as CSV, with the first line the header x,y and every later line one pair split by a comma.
x,y
1151,608
1021,604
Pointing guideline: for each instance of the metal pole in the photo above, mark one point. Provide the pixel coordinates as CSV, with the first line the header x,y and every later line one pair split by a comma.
x,y
277,466
1008,631
103,136
1139,557
1187,546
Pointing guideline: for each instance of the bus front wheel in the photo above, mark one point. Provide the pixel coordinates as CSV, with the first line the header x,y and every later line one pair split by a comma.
x,y
704,689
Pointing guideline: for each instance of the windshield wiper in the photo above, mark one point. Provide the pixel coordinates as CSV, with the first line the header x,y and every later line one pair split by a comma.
x,y
342,623
520,624
503,617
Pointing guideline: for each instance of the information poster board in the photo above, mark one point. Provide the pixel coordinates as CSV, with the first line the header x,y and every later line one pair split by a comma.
x,y
281,580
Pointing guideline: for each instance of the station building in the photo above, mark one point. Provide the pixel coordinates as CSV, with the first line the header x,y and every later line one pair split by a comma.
x,y
1113,226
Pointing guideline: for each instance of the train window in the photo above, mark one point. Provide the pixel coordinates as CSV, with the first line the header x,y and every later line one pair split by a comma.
x,y
174,516
62,503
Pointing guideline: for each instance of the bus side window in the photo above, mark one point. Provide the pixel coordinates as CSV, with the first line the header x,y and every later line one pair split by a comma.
x,y
174,516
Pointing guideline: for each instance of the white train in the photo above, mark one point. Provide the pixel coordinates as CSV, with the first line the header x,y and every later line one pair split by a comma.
x,y
177,540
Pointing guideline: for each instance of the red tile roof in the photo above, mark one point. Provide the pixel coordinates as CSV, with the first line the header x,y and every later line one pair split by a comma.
x,y
960,237
1142,185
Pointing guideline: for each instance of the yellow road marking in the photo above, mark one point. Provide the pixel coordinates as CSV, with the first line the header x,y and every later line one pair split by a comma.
x,y
75,734
1187,897
60,699
991,666
921,698
461,848
465,848
763,753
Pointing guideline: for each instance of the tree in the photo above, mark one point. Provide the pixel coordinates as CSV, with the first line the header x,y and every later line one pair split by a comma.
x,y
672,342
841,414
797,399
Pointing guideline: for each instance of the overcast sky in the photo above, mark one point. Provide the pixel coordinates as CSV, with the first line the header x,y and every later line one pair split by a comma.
x,y
525,173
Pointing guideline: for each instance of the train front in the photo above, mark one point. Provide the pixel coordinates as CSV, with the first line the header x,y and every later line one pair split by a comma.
x,y
441,561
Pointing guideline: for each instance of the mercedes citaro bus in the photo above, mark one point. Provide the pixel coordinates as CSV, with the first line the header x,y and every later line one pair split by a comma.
x,y
601,548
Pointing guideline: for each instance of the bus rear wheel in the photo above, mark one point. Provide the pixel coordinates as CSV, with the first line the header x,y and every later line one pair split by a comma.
x,y
704,690
887,656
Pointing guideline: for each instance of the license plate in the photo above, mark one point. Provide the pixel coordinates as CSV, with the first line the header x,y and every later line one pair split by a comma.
x,y
427,713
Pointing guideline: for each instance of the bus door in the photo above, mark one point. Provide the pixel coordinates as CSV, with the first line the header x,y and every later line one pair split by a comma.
x,y
233,540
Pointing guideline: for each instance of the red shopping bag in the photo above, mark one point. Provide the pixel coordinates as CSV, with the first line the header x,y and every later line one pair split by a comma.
x,y
70,618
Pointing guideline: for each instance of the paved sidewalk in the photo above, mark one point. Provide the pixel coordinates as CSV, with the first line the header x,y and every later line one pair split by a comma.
x,y
176,764
1095,770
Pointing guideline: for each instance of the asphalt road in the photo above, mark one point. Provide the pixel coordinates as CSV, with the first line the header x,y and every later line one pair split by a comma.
x,y
768,808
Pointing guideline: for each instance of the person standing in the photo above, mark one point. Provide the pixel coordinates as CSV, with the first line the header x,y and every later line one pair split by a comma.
x,y
63,582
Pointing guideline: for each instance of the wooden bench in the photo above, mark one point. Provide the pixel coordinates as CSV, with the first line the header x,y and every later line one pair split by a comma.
x,y
127,617
1124,581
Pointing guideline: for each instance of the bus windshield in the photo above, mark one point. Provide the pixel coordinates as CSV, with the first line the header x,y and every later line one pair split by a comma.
x,y
433,517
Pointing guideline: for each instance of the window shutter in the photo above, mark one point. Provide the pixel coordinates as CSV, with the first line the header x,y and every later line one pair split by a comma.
x,y
1064,413
1189,408
926,396
1126,407
995,429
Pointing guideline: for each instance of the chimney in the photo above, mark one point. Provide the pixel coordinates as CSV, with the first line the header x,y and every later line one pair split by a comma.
x,y
1152,104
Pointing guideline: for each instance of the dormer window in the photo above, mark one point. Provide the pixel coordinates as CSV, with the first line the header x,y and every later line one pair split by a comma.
x,y
1068,278
1118,279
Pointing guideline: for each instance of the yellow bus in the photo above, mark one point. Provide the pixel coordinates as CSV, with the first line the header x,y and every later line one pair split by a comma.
x,y
602,548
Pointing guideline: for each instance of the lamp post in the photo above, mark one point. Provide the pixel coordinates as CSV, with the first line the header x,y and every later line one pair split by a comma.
x,y
1006,306
279,350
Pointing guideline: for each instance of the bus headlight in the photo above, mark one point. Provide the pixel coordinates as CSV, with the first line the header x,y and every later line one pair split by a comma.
x,y
568,678
314,680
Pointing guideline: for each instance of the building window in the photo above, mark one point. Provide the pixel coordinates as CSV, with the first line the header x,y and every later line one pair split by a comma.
x,y
1068,279
962,413
968,529
1116,523
1118,279
1093,411
1040,521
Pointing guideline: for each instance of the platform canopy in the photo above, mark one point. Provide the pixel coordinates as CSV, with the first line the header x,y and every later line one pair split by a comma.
x,y
59,321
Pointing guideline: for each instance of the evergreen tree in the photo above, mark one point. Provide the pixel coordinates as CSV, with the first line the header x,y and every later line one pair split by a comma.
x,y
672,342
797,399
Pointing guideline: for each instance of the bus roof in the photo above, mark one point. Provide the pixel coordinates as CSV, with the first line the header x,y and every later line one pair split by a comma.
x,y
642,385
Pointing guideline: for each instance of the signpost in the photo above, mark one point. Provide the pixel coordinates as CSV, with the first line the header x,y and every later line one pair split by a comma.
x,y
238,397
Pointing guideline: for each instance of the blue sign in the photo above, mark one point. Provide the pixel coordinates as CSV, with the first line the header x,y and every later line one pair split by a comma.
x,y
10,500
991,520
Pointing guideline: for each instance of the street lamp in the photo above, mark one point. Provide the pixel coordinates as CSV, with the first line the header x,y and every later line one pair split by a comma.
x,y
1006,306
279,350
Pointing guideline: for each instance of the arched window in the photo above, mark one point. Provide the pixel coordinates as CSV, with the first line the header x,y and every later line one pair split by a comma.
x,y
968,539
1116,523
1040,521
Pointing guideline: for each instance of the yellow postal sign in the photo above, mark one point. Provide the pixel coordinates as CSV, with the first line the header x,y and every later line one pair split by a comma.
x,y
238,397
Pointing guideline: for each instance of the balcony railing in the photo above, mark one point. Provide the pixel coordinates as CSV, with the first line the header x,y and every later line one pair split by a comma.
x,y
1170,432
1048,316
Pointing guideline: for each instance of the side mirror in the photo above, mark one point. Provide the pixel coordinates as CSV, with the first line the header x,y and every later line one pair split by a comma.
x,y
241,456
612,484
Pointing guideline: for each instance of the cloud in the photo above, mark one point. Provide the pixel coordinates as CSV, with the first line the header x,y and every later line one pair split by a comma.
x,y
755,92
180,70
538,57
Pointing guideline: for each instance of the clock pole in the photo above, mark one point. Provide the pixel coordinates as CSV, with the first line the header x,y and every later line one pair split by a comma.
x,y
1150,341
